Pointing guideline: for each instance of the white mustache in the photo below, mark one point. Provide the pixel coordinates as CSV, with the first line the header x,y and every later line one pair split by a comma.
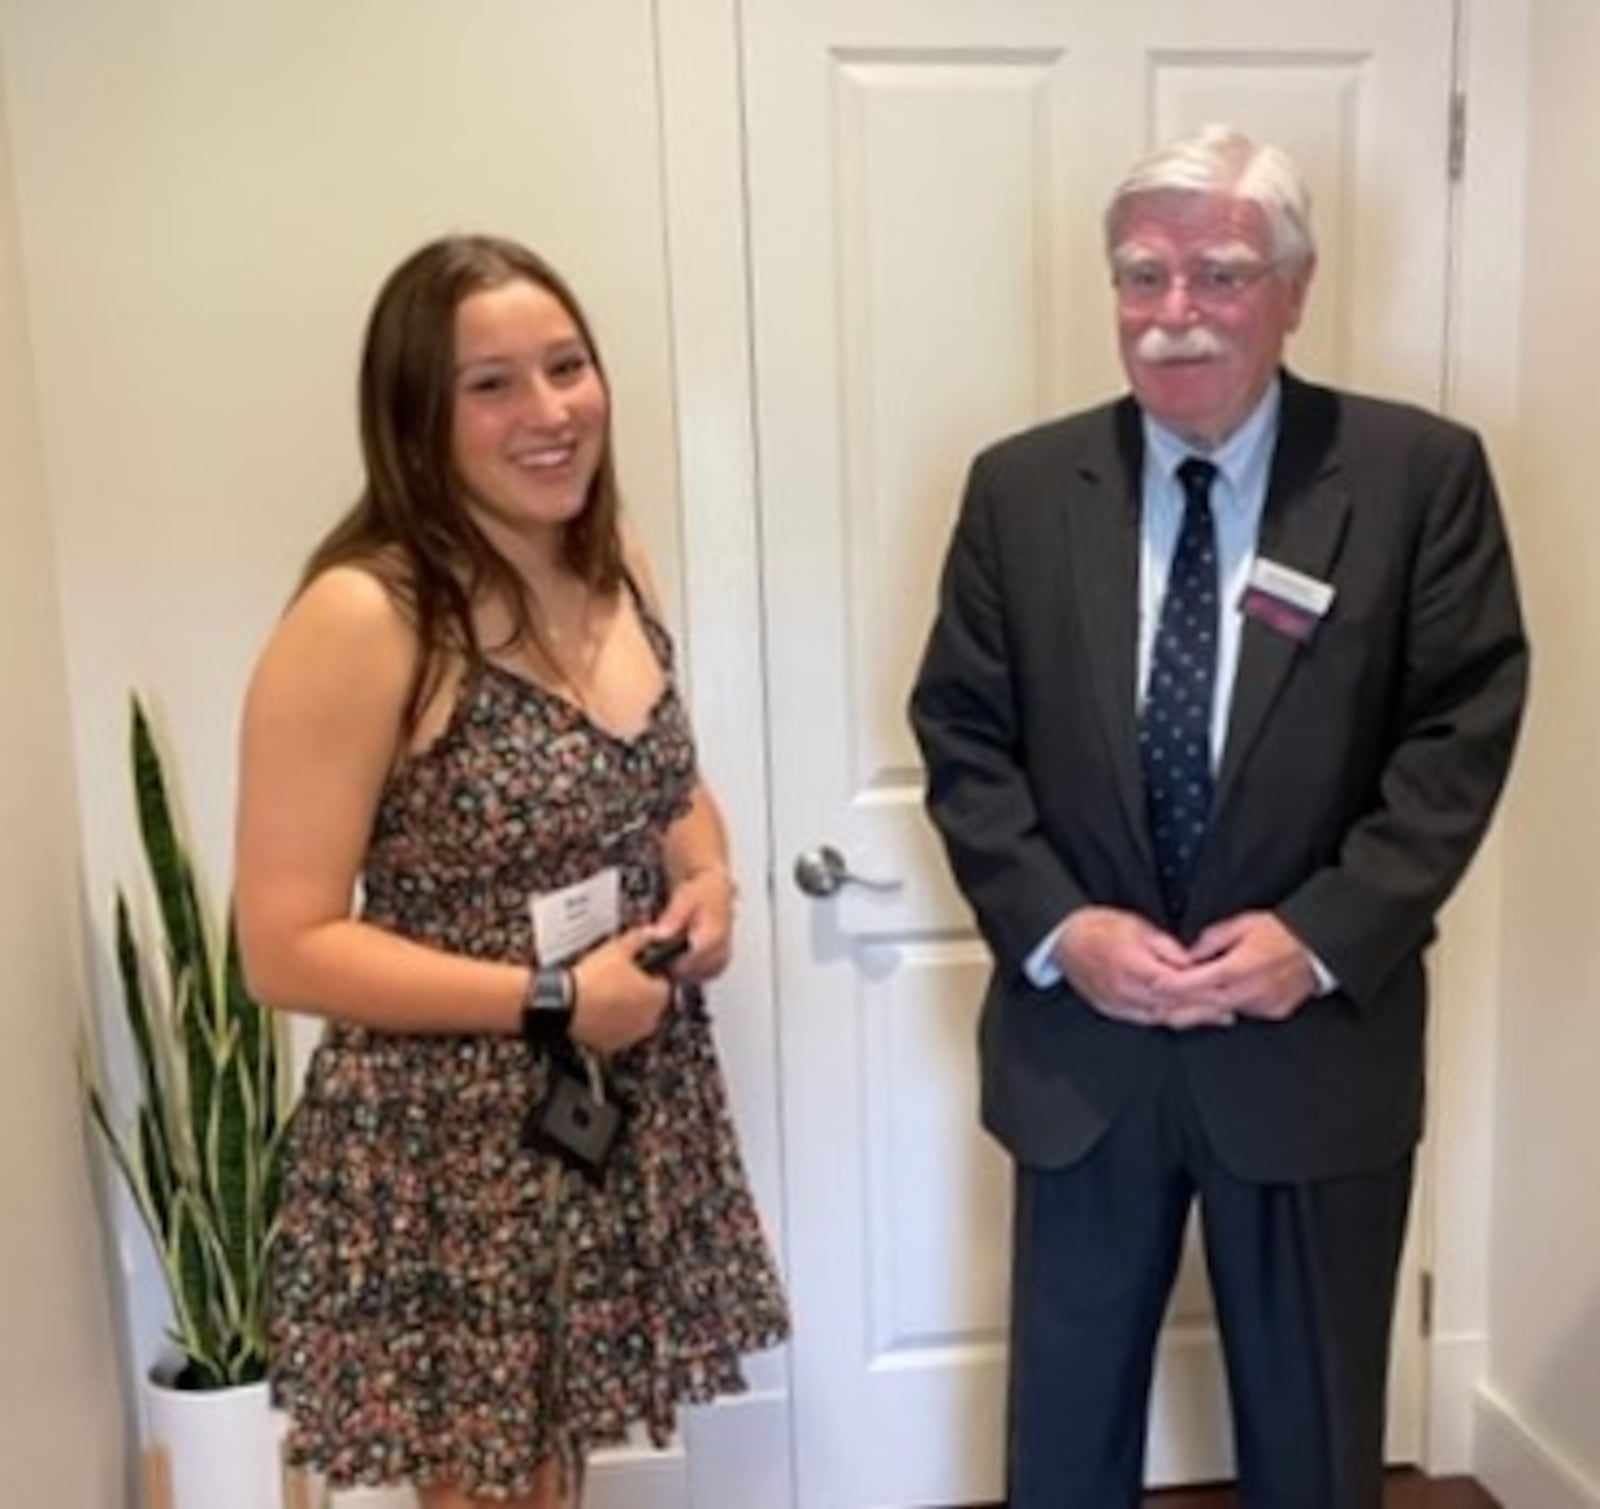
x,y
1197,343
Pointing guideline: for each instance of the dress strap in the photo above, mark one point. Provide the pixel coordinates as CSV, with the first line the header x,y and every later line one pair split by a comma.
x,y
654,630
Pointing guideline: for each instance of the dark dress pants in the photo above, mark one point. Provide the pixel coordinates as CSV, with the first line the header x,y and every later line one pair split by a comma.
x,y
1304,1279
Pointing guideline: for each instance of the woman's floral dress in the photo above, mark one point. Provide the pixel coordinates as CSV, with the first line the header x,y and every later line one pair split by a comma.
x,y
447,1306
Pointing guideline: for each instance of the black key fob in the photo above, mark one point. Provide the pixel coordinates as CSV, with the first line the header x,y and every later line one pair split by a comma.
x,y
573,1126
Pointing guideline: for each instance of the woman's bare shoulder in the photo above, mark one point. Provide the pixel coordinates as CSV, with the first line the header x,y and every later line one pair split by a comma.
x,y
636,562
346,634
353,605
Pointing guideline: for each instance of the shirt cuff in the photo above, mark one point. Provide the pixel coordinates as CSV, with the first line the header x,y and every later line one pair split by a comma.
x,y
1327,982
1040,966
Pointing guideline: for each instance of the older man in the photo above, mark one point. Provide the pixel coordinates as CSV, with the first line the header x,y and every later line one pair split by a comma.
x,y
1224,684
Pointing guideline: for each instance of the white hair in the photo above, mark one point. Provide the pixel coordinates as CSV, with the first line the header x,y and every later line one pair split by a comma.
x,y
1220,159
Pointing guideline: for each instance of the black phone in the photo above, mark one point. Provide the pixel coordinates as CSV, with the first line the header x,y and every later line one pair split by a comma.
x,y
659,954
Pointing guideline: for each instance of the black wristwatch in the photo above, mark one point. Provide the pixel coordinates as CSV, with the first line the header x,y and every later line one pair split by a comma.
x,y
548,1006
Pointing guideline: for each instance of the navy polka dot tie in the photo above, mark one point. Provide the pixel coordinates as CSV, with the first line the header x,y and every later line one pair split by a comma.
x,y
1175,728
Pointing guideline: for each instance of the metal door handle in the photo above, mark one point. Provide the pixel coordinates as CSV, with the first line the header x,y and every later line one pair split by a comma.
x,y
823,872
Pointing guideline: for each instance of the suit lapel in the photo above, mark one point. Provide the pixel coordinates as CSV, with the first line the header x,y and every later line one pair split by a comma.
x,y
1101,524
1302,526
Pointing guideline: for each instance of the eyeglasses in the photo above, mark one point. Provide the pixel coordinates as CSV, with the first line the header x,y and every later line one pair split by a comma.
x,y
1213,285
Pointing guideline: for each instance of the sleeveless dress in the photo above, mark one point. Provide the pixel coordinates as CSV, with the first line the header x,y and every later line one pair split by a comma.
x,y
447,1306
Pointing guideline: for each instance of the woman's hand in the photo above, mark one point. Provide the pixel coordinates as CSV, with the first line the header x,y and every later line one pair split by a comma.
x,y
616,1003
700,906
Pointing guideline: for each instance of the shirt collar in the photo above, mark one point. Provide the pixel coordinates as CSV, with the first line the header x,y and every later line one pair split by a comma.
x,y
1243,458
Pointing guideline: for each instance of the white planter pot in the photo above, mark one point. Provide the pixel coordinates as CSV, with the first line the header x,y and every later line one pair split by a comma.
x,y
221,1447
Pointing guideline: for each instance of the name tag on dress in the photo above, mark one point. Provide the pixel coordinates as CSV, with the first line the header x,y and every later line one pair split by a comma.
x,y
1284,599
567,921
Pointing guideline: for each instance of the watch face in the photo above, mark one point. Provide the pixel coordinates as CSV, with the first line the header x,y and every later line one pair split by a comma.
x,y
550,992
547,1011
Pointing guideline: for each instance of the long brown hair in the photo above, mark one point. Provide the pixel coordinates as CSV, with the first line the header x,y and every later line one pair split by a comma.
x,y
410,525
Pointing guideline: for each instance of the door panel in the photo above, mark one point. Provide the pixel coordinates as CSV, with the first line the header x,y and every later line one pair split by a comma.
x,y
926,180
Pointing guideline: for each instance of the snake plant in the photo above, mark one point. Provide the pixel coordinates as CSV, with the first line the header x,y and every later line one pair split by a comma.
x,y
201,1156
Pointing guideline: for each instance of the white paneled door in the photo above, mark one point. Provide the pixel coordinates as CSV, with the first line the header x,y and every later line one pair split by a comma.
x,y
925,182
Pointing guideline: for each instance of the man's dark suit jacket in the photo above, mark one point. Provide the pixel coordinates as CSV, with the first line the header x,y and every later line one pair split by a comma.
x,y
1359,771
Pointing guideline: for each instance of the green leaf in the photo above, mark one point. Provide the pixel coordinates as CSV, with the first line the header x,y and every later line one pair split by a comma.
x,y
198,1038
155,1163
229,1152
149,1046
168,862
257,1031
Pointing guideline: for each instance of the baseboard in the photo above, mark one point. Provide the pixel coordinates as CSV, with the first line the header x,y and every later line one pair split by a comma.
x,y
739,1452
623,1477
632,1476
1456,1365
1519,1468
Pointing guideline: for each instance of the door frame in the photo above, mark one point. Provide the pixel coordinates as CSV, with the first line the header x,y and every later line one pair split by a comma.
x,y
740,1451
720,609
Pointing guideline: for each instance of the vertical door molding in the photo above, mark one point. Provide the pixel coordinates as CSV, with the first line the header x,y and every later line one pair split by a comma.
x,y
1483,389
739,1451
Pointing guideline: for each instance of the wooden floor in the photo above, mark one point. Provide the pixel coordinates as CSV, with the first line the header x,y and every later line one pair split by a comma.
x,y
1405,1490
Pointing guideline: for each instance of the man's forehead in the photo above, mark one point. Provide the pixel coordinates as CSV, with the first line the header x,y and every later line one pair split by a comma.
x,y
1195,220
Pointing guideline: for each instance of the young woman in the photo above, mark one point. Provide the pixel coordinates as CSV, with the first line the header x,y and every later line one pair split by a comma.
x,y
514,1219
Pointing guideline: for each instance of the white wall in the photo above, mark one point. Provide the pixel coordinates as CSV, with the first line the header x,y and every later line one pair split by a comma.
x,y
1539,1428
60,1417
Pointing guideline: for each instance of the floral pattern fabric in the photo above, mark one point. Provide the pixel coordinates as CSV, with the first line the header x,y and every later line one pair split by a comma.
x,y
448,1306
